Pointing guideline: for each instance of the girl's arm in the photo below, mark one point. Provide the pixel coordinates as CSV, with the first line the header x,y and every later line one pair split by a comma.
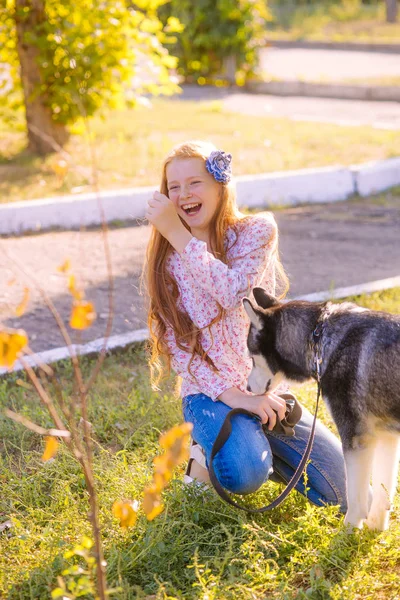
x,y
210,382
228,285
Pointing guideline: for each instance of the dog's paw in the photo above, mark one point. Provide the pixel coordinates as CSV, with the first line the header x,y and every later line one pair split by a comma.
x,y
353,521
378,521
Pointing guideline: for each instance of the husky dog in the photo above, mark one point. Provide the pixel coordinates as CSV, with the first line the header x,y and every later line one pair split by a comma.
x,y
358,356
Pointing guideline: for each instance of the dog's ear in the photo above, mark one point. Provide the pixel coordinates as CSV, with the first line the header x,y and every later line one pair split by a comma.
x,y
263,299
253,314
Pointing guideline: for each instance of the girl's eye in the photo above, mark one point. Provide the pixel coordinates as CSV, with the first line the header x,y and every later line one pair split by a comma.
x,y
174,187
196,182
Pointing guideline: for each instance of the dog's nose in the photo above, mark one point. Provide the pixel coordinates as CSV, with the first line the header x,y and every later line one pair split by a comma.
x,y
248,388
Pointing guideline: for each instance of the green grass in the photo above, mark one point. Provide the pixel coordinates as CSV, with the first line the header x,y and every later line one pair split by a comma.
x,y
337,21
130,147
199,548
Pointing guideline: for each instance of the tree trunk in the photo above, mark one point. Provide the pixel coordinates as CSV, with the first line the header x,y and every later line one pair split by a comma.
x,y
391,11
229,68
44,134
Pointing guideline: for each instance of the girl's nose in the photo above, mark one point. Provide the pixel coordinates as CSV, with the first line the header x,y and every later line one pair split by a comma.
x,y
185,193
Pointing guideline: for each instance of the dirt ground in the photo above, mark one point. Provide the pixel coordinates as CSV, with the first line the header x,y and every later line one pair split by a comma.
x,y
322,246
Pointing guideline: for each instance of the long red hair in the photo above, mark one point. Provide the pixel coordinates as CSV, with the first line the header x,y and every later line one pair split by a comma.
x,y
163,290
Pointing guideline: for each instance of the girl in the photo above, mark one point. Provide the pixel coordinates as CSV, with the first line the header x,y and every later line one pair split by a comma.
x,y
203,258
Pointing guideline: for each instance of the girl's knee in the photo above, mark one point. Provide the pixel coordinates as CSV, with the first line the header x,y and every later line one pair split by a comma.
x,y
244,476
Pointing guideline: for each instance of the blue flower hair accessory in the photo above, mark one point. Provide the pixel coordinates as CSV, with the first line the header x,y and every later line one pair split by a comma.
x,y
218,164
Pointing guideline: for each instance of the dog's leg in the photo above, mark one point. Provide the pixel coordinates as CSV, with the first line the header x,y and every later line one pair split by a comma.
x,y
358,472
384,479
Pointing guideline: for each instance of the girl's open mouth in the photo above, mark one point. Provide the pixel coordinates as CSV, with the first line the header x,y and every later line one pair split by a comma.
x,y
192,209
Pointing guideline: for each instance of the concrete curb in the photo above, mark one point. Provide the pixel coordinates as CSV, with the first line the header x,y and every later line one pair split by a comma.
x,y
326,90
285,188
73,211
141,335
372,176
349,46
353,290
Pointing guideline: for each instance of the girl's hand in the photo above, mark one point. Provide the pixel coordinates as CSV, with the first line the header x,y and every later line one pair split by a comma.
x,y
162,214
266,406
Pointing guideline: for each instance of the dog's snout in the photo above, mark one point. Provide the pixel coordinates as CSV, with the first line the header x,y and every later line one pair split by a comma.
x,y
248,388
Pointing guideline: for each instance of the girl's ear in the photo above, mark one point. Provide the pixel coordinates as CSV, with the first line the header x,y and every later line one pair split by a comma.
x,y
253,314
263,299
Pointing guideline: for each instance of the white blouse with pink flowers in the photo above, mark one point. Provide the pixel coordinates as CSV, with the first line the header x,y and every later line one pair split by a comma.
x,y
205,283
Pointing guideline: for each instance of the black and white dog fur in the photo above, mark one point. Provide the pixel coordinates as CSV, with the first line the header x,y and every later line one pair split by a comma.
x,y
360,381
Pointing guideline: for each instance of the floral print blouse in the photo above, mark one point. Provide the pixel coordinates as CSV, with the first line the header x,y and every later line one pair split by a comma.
x,y
205,283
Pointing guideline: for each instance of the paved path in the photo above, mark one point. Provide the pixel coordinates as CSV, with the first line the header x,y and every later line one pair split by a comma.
x,y
382,115
327,65
322,246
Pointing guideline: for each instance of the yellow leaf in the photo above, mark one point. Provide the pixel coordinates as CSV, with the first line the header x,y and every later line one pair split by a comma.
x,y
60,168
163,467
160,480
152,505
50,449
65,267
156,510
169,61
78,295
179,452
163,463
82,315
168,438
12,342
126,512
174,25
21,308
150,26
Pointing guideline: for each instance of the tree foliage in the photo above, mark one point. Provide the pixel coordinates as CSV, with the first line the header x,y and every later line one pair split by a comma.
x,y
91,54
215,30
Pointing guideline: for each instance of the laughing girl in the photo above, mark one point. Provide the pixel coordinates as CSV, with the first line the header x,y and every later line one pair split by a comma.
x,y
203,258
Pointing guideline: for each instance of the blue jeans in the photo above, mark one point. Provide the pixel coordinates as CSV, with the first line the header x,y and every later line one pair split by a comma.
x,y
250,457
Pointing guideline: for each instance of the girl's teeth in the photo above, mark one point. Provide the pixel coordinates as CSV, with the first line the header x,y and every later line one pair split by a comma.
x,y
189,207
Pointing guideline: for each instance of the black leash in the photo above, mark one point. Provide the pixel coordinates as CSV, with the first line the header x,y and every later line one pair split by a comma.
x,y
222,437
226,430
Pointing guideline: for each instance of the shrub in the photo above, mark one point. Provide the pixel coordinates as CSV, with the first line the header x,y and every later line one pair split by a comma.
x,y
214,31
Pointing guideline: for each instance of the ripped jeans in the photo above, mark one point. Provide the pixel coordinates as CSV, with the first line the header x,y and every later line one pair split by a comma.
x,y
250,456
